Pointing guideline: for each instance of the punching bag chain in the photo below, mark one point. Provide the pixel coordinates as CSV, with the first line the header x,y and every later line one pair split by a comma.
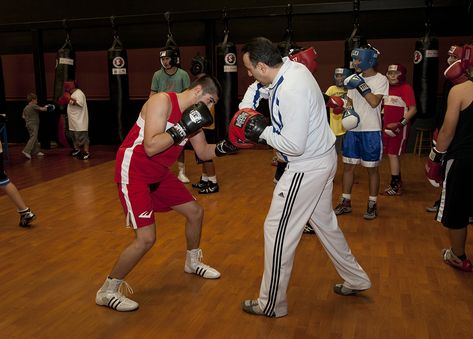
x,y
116,39
356,20
428,10
226,30
68,31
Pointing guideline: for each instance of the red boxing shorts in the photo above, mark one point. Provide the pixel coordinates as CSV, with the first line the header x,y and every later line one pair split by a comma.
x,y
141,200
395,145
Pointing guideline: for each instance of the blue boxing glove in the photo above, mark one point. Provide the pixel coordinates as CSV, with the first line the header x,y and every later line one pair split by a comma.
x,y
355,81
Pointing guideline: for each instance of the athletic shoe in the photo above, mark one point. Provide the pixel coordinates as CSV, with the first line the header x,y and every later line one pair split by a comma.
x,y
434,208
201,184
371,211
251,306
450,258
308,229
26,218
182,178
75,152
393,190
210,188
110,295
195,265
40,154
274,161
83,156
345,291
27,155
343,207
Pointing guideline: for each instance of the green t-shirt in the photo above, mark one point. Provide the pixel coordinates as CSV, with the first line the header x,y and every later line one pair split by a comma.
x,y
162,82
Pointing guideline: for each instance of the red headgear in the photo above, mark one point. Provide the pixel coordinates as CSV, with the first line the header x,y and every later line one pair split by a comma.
x,y
454,54
69,86
467,57
401,69
306,57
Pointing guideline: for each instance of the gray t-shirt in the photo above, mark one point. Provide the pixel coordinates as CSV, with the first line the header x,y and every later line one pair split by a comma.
x,y
31,113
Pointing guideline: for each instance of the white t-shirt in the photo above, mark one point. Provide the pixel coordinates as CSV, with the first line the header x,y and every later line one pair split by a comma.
x,y
370,118
78,115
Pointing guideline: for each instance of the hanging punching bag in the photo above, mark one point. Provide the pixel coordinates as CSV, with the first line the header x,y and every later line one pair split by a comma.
x,y
228,77
118,86
65,71
425,78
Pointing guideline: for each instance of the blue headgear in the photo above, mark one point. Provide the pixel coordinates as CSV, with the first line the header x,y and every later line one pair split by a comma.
x,y
345,72
368,57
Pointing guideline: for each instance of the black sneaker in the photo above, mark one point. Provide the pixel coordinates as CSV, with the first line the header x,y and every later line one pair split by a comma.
x,y
308,229
75,152
210,188
26,218
83,156
371,211
201,184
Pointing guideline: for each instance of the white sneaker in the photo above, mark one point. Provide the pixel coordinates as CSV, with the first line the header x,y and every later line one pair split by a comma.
x,y
110,295
27,155
40,154
182,178
195,265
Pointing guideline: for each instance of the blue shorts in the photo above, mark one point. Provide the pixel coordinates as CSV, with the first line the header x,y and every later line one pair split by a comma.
x,y
363,147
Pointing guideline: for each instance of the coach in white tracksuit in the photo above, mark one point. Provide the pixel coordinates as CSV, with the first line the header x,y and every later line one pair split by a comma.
x,y
300,133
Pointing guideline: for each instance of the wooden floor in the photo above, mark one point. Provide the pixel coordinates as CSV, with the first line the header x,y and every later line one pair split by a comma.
x,y
49,274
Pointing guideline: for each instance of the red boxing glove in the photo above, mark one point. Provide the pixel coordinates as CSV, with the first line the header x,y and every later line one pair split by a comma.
x,y
434,167
64,100
336,103
245,128
455,73
394,128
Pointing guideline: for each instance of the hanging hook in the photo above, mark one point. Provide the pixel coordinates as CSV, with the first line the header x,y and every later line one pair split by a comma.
x,y
356,13
114,27
67,29
289,18
225,21
428,9
167,16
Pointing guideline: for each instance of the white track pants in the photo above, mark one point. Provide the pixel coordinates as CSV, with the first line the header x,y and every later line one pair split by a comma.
x,y
304,192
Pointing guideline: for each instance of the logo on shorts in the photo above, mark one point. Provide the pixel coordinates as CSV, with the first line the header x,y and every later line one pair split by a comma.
x,y
146,215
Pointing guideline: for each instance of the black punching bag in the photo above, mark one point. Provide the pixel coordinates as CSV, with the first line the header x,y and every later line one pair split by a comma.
x,y
118,86
228,77
65,71
425,81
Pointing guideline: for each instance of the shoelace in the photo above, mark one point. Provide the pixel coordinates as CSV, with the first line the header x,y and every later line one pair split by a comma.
x,y
127,289
199,259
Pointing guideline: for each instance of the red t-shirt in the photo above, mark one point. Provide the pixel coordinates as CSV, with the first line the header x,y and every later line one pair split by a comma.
x,y
397,102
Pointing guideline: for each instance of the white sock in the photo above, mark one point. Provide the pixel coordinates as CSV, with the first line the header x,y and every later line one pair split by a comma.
x,y
213,179
204,177
373,198
346,196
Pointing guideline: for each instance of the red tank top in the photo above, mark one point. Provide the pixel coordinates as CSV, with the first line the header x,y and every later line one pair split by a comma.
x,y
132,162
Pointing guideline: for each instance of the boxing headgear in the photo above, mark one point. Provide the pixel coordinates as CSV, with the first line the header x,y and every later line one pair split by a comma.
x,y
171,52
306,57
368,57
467,57
401,75
69,86
454,54
344,72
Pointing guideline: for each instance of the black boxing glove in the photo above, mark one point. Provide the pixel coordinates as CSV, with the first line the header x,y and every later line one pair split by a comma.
x,y
192,120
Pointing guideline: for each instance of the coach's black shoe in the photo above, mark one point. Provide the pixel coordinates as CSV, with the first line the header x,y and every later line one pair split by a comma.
x,y
210,188
83,156
201,184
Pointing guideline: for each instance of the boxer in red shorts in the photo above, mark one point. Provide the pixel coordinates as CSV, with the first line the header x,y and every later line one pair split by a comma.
x,y
147,185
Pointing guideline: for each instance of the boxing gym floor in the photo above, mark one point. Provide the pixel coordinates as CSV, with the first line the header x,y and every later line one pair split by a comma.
x,y
49,273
